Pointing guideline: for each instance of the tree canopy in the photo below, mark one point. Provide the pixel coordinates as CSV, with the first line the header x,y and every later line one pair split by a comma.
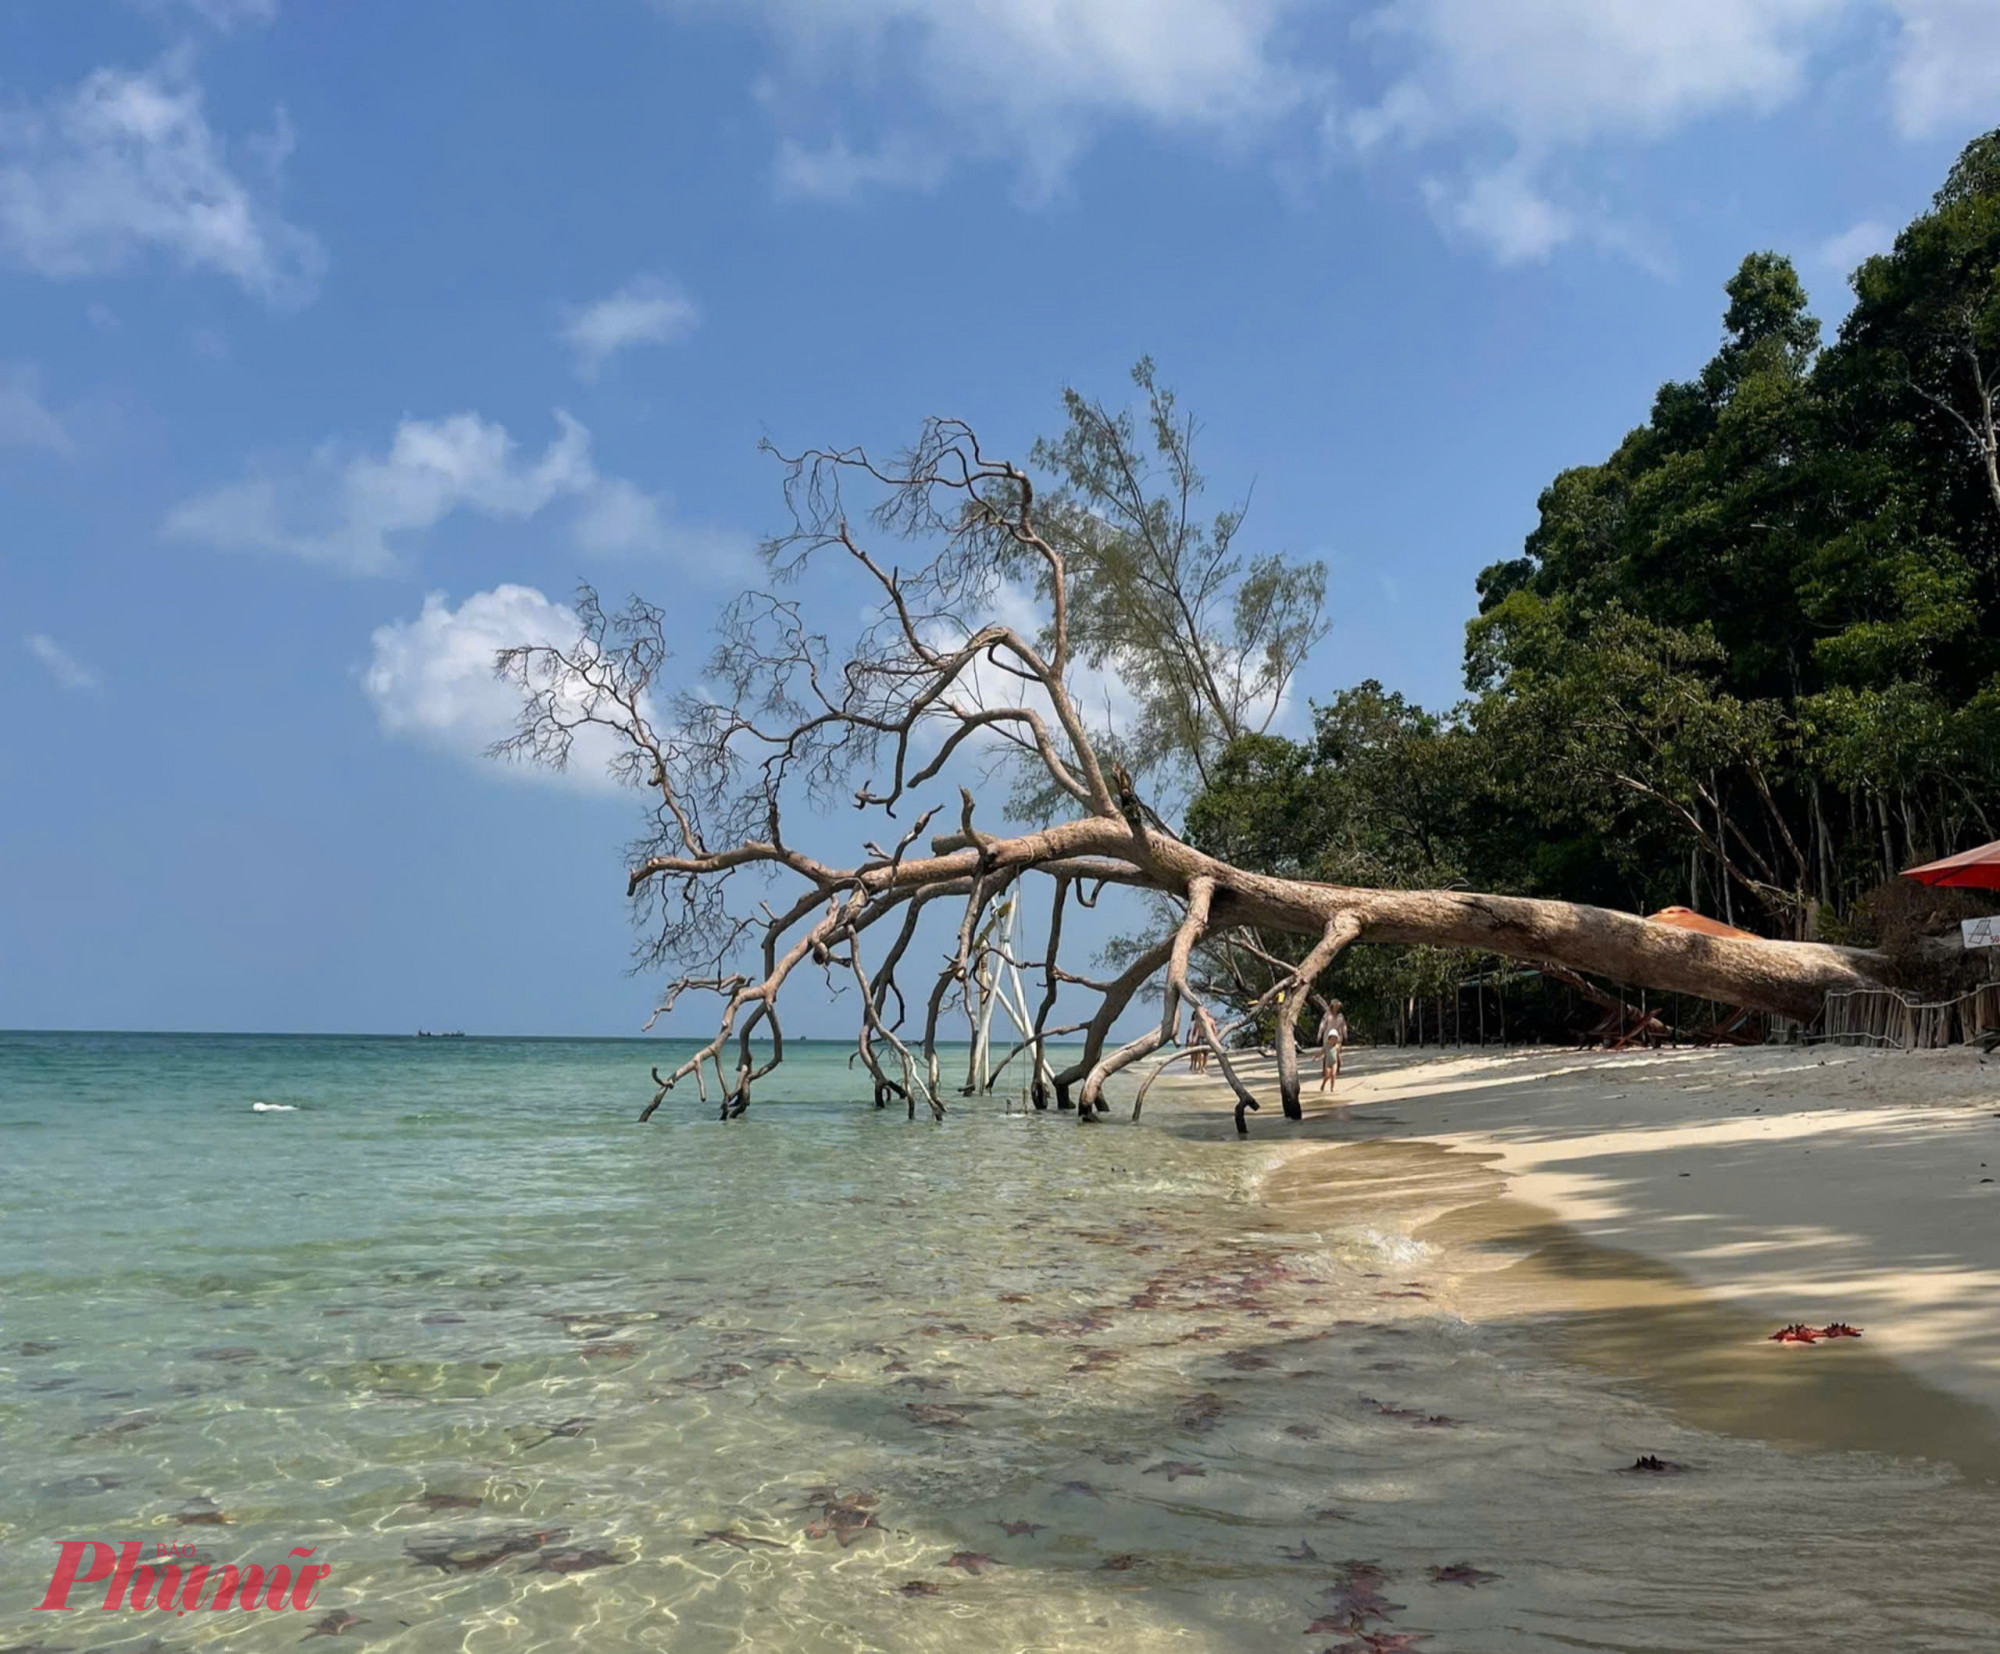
x,y
1749,663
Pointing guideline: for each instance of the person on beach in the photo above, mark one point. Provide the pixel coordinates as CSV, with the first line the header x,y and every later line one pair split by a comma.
x,y
1332,1039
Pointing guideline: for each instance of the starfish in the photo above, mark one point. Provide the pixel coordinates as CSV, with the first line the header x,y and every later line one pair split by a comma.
x,y
1173,1470
1014,1530
1301,1552
919,1588
1121,1563
973,1562
1651,1463
1360,1601
1080,1487
1377,1642
1247,1361
1329,1513
1201,1413
1839,1329
1797,1333
201,1519
1461,1573
1015,1298
336,1624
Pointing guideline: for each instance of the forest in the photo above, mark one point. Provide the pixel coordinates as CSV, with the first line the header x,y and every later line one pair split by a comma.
x,y
1749,663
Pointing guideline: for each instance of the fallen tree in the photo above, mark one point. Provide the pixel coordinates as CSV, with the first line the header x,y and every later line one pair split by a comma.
x,y
933,683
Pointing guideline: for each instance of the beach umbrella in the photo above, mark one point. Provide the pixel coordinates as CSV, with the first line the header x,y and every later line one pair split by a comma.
x,y
1685,918
1970,870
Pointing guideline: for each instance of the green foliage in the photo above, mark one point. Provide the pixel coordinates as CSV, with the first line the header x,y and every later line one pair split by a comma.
x,y
1203,636
1749,662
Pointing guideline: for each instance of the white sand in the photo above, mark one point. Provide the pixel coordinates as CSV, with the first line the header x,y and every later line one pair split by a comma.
x,y
1792,1185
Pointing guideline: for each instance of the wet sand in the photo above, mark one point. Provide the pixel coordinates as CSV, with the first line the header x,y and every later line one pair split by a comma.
x,y
1665,1212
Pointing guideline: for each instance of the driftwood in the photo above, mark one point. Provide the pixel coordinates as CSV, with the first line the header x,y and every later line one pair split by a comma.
x,y
737,912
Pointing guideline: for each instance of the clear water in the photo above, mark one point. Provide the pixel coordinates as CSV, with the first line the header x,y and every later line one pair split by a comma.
x,y
458,1268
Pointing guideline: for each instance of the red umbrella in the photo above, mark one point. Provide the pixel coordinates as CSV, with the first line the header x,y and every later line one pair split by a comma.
x,y
1972,870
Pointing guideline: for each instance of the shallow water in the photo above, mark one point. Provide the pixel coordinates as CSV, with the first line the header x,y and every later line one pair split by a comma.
x,y
459,1269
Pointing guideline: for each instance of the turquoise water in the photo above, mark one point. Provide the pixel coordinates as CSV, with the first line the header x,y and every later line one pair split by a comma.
x,y
505,1359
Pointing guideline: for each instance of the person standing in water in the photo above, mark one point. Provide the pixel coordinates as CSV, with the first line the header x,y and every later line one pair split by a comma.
x,y
1332,1038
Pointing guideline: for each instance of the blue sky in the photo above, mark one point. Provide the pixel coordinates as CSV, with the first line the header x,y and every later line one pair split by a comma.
x,y
340,341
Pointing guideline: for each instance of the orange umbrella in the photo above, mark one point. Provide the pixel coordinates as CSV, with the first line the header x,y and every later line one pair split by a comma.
x,y
1971,870
1685,918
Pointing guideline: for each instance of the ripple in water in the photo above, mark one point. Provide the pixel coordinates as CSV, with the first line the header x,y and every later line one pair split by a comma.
x,y
529,1376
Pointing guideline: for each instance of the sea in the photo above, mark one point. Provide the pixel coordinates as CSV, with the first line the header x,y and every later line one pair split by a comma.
x,y
524,1374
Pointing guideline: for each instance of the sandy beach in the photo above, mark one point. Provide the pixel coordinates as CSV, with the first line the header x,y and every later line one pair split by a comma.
x,y
1666,1211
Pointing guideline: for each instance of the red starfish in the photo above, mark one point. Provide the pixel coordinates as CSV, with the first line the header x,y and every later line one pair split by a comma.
x,y
1014,1530
1797,1333
1839,1329
972,1562
919,1588
1173,1470
1123,1561
1356,1602
1461,1573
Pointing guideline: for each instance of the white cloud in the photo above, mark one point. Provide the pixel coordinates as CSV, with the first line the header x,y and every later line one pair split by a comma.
x,y
1548,72
1509,111
127,164
1524,87
1504,212
646,311
347,510
620,519
1949,65
431,680
1861,241
356,512
218,14
65,668
24,421
835,172
1025,79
